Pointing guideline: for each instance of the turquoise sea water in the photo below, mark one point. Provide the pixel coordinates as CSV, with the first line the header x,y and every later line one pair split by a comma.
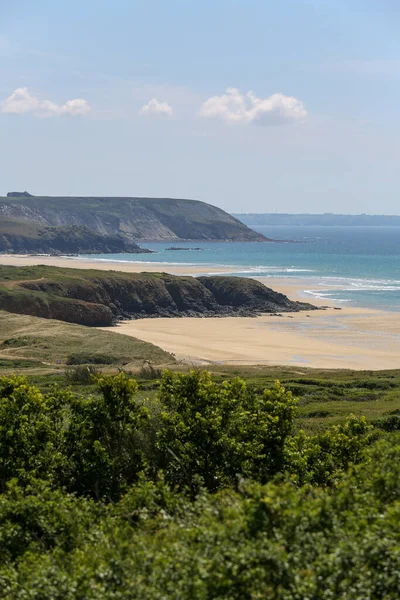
x,y
359,266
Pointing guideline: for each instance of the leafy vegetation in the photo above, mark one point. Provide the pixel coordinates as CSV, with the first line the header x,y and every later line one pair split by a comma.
x,y
207,489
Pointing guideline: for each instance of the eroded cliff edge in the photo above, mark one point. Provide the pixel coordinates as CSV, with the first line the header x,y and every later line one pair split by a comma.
x,y
100,298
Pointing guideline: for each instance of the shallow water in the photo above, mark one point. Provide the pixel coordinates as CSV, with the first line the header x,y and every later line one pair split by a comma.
x,y
360,266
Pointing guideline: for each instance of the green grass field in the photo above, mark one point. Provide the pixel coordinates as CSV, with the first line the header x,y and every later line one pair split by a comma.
x,y
28,343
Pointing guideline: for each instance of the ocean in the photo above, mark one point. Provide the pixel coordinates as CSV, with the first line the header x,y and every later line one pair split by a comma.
x,y
356,266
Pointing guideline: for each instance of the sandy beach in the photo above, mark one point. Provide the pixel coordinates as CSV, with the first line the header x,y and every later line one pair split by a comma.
x,y
349,339
29,260
353,338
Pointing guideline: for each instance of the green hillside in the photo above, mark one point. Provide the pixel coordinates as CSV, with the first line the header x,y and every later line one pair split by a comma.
x,y
47,343
152,219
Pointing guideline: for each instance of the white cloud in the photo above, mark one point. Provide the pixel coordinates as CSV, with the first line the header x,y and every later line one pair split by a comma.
x,y
75,108
234,107
23,102
154,107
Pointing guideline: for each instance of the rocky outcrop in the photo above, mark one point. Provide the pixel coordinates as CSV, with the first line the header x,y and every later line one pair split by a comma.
x,y
135,219
62,309
81,297
246,293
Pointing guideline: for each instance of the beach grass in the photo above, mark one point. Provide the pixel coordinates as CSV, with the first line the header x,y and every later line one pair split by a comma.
x,y
31,342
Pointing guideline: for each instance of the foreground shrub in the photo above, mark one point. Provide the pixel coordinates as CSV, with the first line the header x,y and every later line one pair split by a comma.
x,y
321,458
201,434
273,541
28,440
271,513
213,434
37,518
100,442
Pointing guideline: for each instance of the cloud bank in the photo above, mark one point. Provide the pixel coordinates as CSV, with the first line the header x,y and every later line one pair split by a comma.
x,y
22,102
234,107
156,108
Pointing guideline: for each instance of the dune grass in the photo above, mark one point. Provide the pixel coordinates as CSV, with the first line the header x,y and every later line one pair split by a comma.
x,y
50,343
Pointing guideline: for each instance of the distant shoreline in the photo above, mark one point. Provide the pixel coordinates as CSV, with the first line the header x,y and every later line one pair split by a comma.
x,y
316,220
296,288
70,262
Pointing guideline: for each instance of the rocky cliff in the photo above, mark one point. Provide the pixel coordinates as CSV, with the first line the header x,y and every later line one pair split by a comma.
x,y
135,219
22,237
99,298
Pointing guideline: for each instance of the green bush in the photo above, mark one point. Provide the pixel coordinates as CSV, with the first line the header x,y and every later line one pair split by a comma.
x,y
94,501
28,440
391,423
263,541
101,444
86,358
321,458
213,434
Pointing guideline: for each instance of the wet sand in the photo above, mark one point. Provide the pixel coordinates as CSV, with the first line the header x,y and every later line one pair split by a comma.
x,y
349,339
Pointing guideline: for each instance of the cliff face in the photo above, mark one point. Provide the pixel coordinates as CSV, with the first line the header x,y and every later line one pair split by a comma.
x,y
97,298
138,219
20,237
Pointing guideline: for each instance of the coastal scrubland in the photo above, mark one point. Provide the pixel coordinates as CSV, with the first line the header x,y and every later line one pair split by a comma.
x,y
125,473
198,486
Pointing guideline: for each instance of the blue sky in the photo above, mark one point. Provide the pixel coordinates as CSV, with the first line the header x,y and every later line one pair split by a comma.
x,y
129,98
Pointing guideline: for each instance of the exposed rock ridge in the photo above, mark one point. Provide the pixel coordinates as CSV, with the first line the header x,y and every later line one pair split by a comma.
x,y
100,298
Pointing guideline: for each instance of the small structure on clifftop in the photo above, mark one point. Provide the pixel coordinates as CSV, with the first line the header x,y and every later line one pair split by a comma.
x,y
19,195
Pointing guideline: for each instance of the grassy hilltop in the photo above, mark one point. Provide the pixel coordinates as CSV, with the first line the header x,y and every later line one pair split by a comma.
x,y
28,342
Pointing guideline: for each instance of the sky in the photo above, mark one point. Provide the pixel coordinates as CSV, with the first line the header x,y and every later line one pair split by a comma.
x,y
251,105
